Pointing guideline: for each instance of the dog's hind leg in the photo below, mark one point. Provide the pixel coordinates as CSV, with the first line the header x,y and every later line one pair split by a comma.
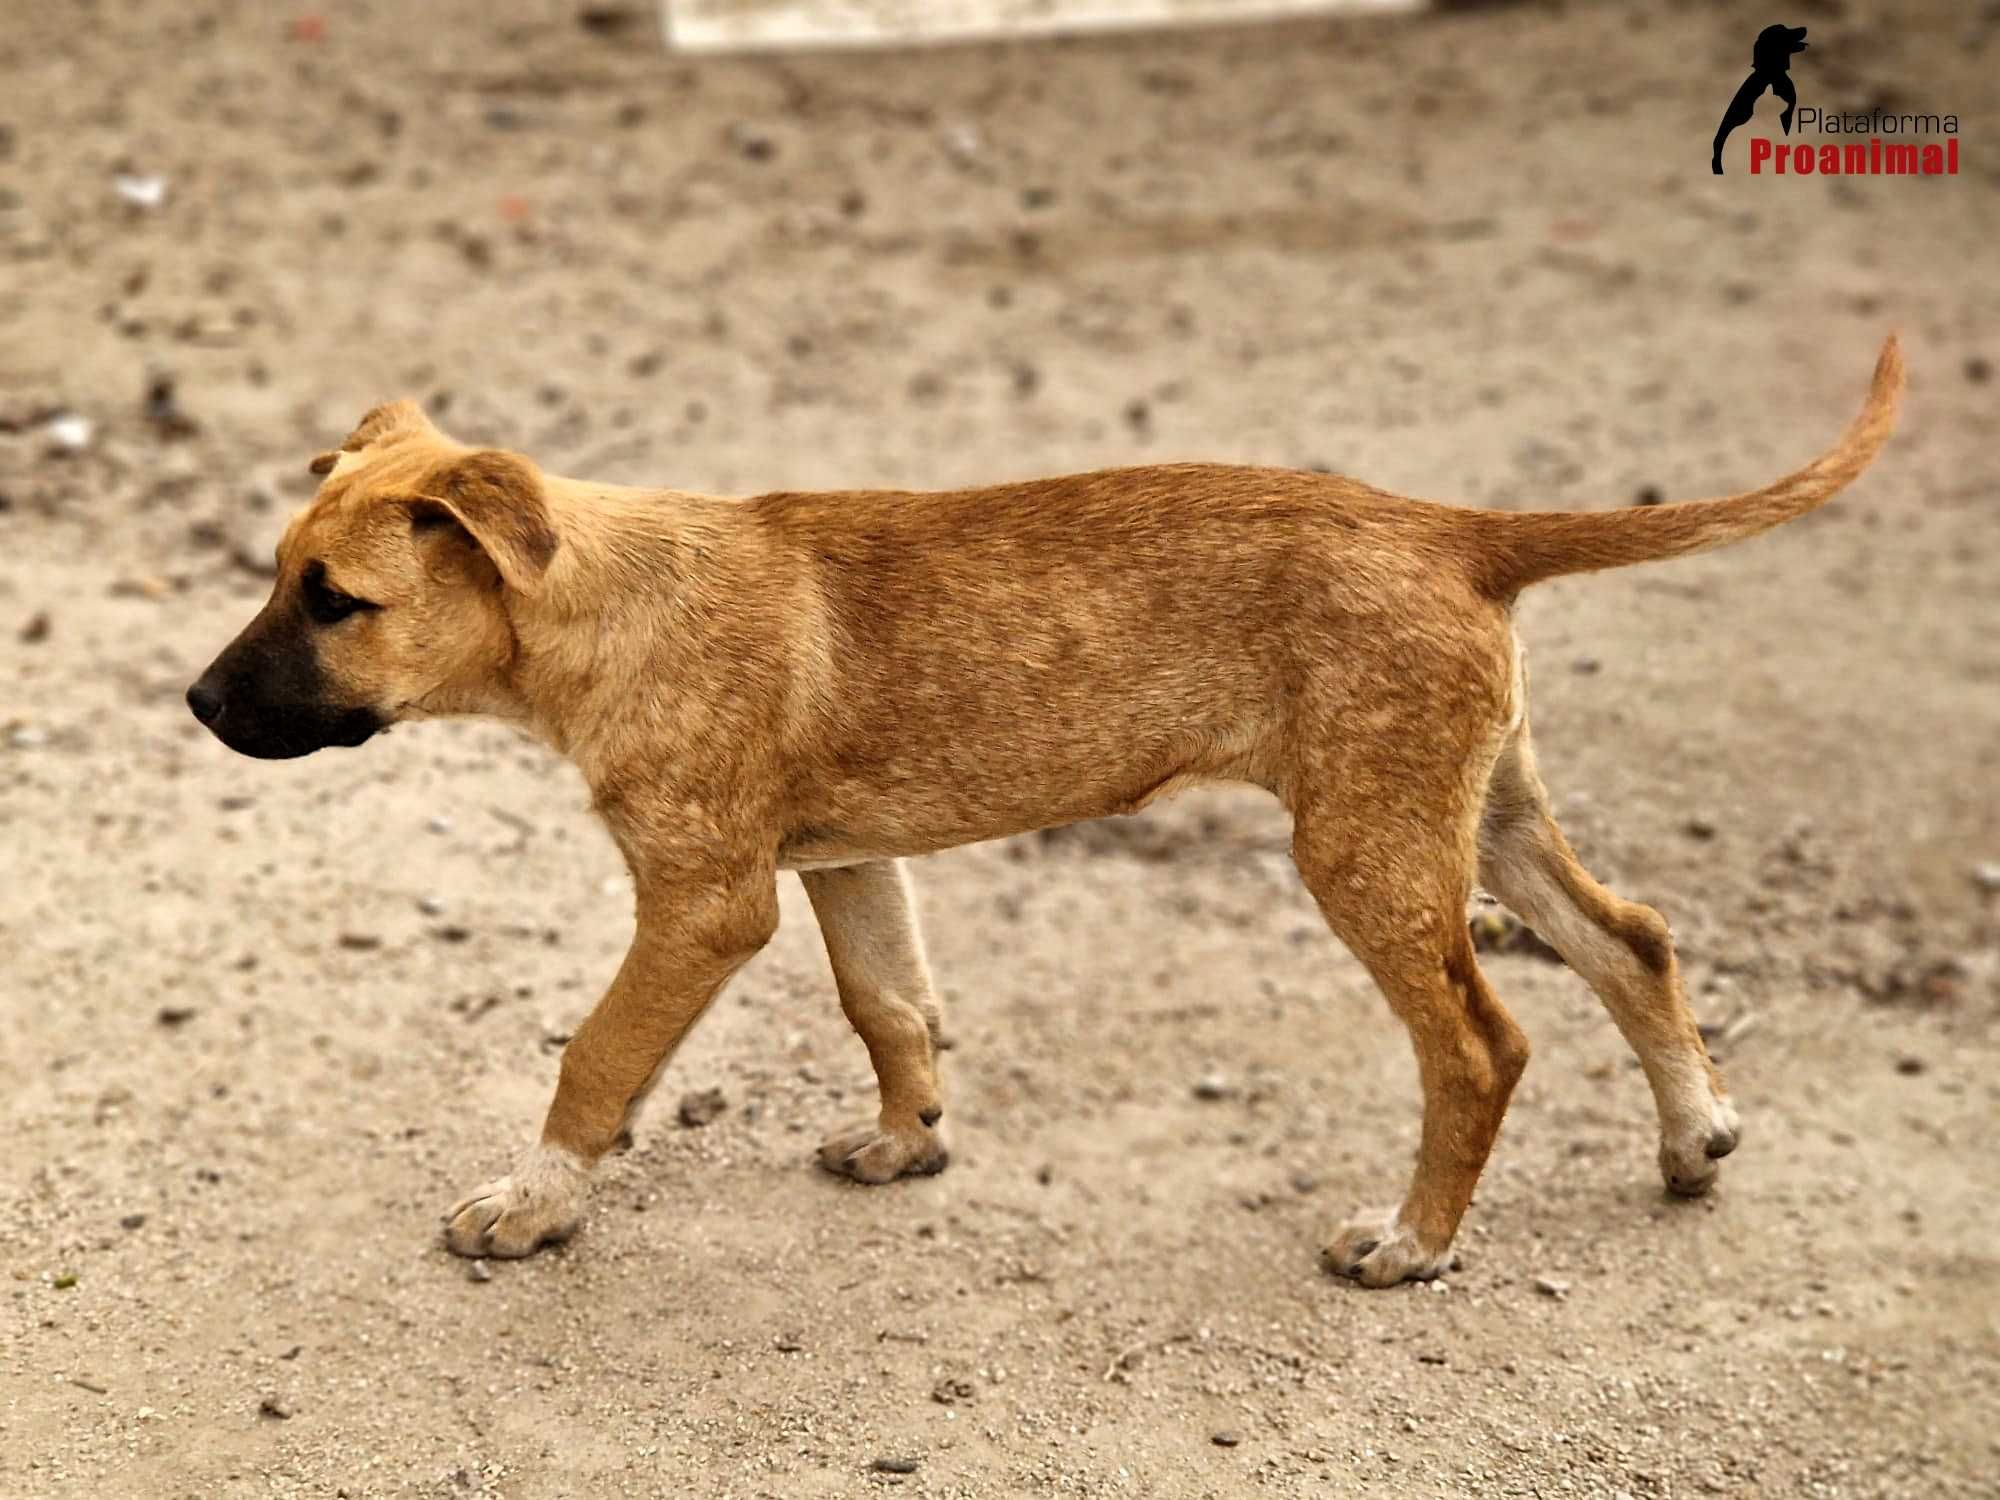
x,y
1392,878
1623,951
870,927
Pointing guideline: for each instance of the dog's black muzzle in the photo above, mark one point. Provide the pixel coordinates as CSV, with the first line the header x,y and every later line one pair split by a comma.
x,y
270,702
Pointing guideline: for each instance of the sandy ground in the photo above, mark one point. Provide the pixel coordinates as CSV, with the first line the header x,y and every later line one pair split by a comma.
x,y
260,1024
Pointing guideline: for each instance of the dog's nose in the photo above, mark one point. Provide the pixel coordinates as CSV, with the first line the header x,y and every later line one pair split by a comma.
x,y
205,702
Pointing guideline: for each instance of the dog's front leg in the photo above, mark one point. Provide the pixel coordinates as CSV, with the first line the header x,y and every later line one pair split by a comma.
x,y
690,939
870,928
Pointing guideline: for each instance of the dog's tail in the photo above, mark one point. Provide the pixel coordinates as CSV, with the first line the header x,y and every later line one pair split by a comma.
x,y
1513,549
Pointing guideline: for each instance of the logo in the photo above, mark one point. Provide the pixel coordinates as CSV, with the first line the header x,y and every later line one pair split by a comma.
x,y
1770,68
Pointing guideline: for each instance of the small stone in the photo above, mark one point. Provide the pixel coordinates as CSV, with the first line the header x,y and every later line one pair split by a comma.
x,y
787,1343
1699,828
1213,1086
1910,1067
1986,875
132,1221
65,1281
141,190
360,942
430,906
702,1107
478,1271
1979,369
174,1015
1648,494
1226,1439
896,1465
27,737
69,432
950,1391
607,20
752,143
271,1406
36,630
1548,1286
438,824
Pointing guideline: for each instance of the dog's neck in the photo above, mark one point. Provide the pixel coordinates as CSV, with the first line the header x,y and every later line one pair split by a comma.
x,y
597,633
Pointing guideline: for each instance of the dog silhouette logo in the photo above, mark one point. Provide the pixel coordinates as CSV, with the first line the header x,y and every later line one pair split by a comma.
x,y
1770,68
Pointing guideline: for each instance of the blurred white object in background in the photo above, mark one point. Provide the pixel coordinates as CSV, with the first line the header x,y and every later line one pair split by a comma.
x,y
743,25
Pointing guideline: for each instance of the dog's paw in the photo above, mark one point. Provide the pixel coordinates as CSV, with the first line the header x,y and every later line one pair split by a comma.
x,y
1377,1250
540,1201
1691,1153
878,1153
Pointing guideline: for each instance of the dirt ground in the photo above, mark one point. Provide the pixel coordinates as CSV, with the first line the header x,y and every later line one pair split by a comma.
x,y
261,1023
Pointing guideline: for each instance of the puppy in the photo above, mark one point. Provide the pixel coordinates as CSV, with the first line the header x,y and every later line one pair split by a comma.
x,y
829,683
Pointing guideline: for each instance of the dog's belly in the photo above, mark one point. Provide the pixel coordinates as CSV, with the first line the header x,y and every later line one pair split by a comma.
x,y
946,815
823,849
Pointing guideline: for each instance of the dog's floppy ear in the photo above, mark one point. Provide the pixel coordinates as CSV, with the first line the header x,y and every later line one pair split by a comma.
x,y
391,419
497,500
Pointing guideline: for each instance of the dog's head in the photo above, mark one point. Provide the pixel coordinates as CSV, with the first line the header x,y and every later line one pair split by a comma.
x,y
1776,46
393,593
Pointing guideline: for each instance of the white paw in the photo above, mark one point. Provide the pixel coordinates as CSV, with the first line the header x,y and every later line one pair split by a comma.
x,y
539,1201
876,1153
1378,1250
1691,1152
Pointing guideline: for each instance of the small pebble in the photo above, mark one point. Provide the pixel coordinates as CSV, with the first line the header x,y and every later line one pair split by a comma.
x,y
751,143
1226,1439
141,190
69,432
1910,1067
701,1107
1213,1086
1549,1287
271,1406
478,1271
1986,875
896,1465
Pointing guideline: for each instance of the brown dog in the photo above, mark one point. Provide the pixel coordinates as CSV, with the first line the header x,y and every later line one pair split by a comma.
x,y
829,682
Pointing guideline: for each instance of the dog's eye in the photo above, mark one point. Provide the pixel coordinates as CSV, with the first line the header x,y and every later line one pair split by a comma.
x,y
326,604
